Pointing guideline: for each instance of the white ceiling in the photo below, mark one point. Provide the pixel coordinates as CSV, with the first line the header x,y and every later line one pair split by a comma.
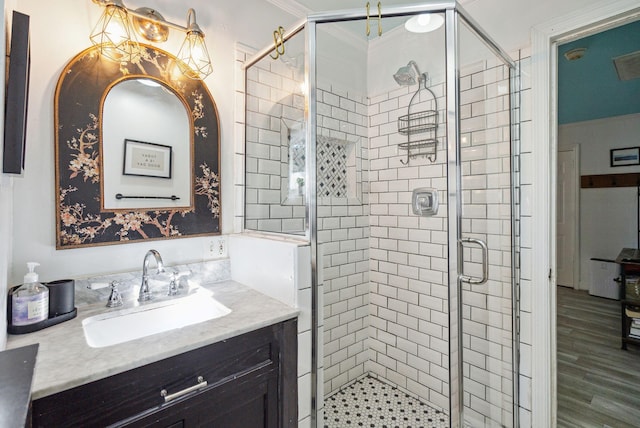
x,y
508,22
252,22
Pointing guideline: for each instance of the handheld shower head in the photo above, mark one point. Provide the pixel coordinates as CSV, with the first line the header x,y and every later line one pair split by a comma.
x,y
408,75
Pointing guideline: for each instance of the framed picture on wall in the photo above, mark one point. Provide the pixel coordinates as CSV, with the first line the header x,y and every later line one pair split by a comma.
x,y
147,159
625,157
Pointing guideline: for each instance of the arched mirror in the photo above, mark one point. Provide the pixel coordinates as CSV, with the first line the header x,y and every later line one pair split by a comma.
x,y
137,151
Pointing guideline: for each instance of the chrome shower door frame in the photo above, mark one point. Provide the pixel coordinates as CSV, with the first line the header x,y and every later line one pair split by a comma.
x,y
453,12
455,238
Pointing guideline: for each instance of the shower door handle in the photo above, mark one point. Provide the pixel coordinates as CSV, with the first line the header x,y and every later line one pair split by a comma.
x,y
485,262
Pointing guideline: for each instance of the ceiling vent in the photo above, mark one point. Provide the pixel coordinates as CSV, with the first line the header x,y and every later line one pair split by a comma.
x,y
628,66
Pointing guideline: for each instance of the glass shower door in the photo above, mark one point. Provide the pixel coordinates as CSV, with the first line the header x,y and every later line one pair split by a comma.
x,y
485,241
423,303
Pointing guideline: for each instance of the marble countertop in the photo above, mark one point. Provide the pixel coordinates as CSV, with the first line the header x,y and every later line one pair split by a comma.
x,y
65,360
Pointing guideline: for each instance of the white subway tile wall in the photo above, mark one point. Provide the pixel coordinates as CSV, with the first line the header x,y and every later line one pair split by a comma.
x,y
275,149
408,256
526,213
274,115
343,241
486,211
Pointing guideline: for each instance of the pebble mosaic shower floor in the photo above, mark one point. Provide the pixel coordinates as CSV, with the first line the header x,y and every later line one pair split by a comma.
x,y
369,402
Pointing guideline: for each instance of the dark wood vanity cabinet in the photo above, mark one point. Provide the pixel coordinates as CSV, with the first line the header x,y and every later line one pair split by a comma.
x,y
251,381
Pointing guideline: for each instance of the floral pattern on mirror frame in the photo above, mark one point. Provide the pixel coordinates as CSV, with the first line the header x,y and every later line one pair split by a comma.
x,y
80,219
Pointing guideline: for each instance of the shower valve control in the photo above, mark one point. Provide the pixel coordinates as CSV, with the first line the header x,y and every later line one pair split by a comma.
x,y
424,201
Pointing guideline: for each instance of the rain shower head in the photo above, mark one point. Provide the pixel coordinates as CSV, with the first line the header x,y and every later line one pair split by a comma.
x,y
408,75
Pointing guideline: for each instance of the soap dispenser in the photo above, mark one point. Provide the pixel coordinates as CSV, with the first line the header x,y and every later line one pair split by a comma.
x,y
30,302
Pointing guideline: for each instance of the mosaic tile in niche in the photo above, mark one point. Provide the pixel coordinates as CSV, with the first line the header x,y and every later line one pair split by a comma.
x,y
332,167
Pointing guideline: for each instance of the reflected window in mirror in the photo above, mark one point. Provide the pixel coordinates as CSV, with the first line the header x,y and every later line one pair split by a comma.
x,y
155,122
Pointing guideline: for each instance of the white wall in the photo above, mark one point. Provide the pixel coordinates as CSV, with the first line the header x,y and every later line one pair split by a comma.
x,y
69,23
281,268
6,197
400,47
608,216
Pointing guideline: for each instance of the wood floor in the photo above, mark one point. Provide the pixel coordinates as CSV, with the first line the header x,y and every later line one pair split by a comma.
x,y
598,383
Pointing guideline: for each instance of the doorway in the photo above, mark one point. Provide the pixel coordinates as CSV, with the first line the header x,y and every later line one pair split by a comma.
x,y
545,38
588,322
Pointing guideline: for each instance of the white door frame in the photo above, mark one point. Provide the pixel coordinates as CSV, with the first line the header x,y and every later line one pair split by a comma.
x,y
544,38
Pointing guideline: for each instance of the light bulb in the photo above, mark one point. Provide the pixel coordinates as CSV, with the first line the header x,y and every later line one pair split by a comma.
x,y
115,30
194,58
424,19
113,35
424,22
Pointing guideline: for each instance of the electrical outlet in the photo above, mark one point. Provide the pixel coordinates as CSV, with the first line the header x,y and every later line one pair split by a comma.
x,y
215,247
221,247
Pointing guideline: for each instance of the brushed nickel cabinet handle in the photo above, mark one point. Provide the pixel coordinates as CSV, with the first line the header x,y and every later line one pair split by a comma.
x,y
168,397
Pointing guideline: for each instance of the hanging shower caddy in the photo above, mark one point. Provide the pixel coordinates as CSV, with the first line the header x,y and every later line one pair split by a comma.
x,y
423,123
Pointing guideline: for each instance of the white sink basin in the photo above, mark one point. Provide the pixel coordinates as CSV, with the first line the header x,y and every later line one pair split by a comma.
x,y
151,318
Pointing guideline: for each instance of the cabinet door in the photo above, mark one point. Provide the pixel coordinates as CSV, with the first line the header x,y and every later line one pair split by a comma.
x,y
251,404
172,417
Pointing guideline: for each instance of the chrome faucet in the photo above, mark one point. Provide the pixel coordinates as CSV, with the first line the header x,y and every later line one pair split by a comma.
x,y
145,294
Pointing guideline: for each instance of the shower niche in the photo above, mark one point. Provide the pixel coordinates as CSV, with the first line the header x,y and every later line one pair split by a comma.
x,y
338,166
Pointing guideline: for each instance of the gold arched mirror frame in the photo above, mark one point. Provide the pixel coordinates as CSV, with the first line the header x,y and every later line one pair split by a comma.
x,y
80,93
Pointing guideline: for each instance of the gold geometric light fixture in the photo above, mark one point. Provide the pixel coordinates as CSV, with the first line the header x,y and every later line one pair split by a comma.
x,y
115,35
193,53
150,27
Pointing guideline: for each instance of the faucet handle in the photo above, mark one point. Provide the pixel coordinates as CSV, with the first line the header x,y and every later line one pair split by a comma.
x,y
115,298
173,285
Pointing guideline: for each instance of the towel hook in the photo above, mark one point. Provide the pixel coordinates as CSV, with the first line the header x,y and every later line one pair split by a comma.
x,y
379,19
278,42
368,26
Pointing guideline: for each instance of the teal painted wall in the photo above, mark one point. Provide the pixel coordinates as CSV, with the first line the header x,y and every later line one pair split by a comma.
x,y
589,88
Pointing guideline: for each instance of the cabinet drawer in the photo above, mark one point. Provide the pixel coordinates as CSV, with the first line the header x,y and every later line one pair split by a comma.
x,y
245,402
124,395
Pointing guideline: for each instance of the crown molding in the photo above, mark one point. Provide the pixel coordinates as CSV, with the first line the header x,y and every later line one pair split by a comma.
x,y
296,9
292,7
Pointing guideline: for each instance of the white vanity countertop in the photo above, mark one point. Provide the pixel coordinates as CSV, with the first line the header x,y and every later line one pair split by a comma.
x,y
65,360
